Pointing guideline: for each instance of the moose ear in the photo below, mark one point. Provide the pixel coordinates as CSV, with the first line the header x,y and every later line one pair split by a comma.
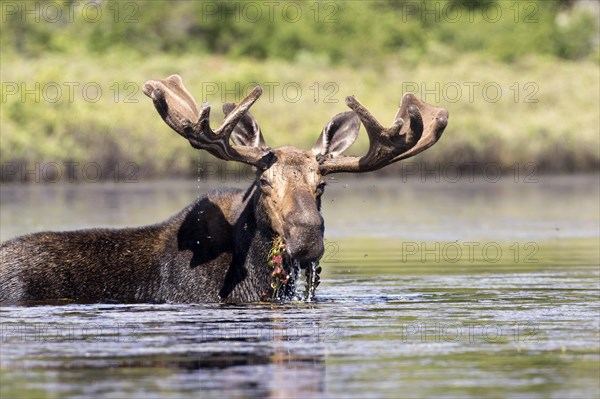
x,y
338,134
246,132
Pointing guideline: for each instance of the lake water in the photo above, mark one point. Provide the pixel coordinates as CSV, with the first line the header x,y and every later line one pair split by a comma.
x,y
429,289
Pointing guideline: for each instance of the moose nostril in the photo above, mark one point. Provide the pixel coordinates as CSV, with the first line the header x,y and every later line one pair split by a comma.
x,y
309,253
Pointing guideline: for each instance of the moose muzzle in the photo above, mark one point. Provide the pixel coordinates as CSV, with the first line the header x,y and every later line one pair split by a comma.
x,y
303,230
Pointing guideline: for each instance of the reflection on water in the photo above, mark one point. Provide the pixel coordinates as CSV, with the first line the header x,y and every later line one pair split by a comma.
x,y
404,309
189,348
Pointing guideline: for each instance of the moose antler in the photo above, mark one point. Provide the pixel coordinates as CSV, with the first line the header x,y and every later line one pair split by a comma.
x,y
400,141
178,109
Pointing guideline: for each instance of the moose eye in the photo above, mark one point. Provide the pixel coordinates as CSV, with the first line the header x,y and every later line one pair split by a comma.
x,y
264,183
321,188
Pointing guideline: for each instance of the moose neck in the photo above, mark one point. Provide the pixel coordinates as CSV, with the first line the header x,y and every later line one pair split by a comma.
x,y
250,275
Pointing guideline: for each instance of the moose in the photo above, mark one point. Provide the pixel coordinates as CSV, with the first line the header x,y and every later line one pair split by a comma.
x,y
231,245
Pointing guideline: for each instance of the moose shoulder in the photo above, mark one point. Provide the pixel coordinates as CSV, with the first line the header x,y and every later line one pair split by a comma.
x,y
231,245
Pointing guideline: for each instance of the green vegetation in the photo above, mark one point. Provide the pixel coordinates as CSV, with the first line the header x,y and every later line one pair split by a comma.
x,y
521,83
338,32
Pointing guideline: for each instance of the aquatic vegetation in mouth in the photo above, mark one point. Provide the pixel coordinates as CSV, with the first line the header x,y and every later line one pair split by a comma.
x,y
283,284
279,277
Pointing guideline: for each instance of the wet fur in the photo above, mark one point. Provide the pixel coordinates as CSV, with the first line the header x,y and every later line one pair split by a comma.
x,y
212,251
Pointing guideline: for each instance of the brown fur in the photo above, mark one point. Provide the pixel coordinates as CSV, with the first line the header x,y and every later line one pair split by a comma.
x,y
214,250
217,248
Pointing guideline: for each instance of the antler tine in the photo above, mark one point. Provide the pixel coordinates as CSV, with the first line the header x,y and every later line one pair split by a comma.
x,y
173,102
400,141
179,110
372,125
239,111
433,122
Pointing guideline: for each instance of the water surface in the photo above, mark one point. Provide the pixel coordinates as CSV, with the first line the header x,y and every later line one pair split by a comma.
x,y
429,289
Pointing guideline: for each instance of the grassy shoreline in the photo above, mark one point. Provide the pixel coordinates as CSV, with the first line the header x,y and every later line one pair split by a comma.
x,y
90,110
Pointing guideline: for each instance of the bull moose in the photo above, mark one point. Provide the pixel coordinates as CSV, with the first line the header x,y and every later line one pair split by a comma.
x,y
230,245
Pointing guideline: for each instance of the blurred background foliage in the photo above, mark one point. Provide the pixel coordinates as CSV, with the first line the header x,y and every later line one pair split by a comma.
x,y
544,55
339,32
